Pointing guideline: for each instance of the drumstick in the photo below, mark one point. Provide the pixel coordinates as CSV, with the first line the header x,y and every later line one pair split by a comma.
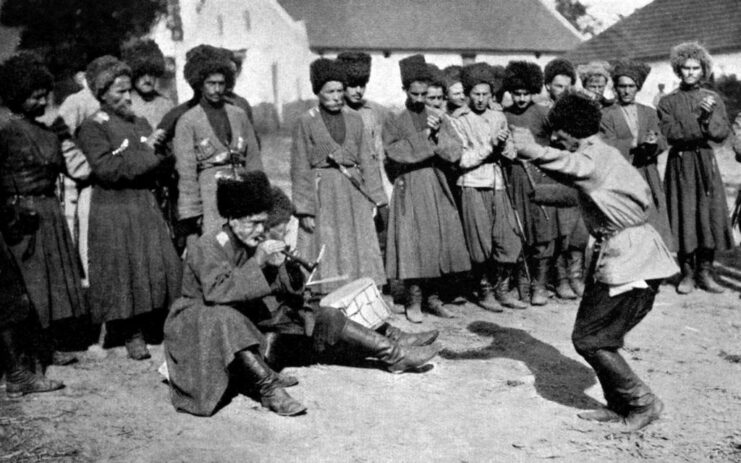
x,y
328,280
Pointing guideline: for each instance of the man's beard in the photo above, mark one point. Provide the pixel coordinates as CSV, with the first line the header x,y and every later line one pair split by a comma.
x,y
125,112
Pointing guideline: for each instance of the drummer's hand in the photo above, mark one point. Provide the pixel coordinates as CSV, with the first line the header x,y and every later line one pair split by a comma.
x,y
307,223
525,144
269,252
707,104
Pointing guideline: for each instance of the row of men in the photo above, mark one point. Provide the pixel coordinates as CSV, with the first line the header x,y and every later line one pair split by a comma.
x,y
134,268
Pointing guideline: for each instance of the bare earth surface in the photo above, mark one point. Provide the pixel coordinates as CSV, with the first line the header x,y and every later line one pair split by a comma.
x,y
507,388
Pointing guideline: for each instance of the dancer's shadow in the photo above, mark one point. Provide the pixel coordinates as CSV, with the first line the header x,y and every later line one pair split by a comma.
x,y
557,377
728,267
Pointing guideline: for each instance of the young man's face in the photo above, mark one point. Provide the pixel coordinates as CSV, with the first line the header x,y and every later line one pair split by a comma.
x,y
456,95
691,71
558,86
626,90
479,97
277,232
435,98
417,94
521,98
35,105
249,229
213,88
331,94
354,94
145,84
118,97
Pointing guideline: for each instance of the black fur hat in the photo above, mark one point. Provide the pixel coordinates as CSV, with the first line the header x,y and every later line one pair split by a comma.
x,y
497,83
437,78
281,210
247,194
559,67
414,69
102,71
357,67
452,75
519,75
576,114
634,69
325,70
143,57
21,75
204,60
477,73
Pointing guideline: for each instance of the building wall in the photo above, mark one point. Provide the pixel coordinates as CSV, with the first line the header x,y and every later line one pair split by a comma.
x,y
277,47
384,86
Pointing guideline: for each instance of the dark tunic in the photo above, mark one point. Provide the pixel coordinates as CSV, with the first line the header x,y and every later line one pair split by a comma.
x,y
227,300
538,228
133,266
30,163
695,196
425,237
343,216
616,131
15,306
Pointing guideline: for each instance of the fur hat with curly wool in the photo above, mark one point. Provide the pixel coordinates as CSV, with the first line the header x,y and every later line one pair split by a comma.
x,y
144,57
690,50
246,194
325,70
21,75
477,73
103,71
281,210
523,75
559,67
636,70
203,61
414,69
357,67
593,69
576,114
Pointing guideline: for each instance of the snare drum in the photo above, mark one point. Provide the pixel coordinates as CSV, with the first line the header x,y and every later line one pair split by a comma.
x,y
360,301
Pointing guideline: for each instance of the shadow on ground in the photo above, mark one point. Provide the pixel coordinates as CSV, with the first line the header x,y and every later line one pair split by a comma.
x,y
728,269
558,378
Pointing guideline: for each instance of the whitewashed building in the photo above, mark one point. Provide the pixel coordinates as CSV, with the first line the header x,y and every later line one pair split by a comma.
x,y
445,31
650,32
275,45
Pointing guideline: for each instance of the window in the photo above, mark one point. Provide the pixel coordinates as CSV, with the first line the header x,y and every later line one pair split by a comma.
x,y
247,21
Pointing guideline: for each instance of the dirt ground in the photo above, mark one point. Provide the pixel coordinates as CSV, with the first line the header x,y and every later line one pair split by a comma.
x,y
506,389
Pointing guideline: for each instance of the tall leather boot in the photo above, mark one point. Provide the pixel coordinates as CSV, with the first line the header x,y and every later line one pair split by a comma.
x,y
502,288
272,357
433,303
638,404
397,358
539,291
687,284
523,284
403,338
256,373
563,287
20,379
705,278
413,306
487,299
576,271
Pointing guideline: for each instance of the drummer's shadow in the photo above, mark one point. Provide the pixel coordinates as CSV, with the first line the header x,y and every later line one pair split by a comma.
x,y
557,378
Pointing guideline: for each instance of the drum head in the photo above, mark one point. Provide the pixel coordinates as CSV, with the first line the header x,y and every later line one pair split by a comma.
x,y
341,296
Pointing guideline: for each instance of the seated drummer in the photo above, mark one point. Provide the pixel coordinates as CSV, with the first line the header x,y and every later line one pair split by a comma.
x,y
236,280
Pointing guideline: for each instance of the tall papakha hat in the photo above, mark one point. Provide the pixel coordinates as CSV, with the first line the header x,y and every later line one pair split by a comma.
x,y
559,67
144,57
437,78
452,75
248,193
636,70
204,60
21,75
477,73
357,67
281,210
576,114
593,69
497,83
102,71
414,69
325,70
690,50
523,75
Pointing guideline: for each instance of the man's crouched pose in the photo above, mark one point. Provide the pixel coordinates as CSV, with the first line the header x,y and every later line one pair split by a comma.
x,y
629,258
237,280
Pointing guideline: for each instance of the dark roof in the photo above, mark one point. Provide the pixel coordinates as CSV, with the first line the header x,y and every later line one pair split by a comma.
x,y
474,26
651,31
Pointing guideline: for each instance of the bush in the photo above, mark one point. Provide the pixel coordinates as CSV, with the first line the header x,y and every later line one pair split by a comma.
x,y
729,88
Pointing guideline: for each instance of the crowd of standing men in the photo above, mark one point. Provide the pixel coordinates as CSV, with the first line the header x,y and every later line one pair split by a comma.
x,y
480,177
